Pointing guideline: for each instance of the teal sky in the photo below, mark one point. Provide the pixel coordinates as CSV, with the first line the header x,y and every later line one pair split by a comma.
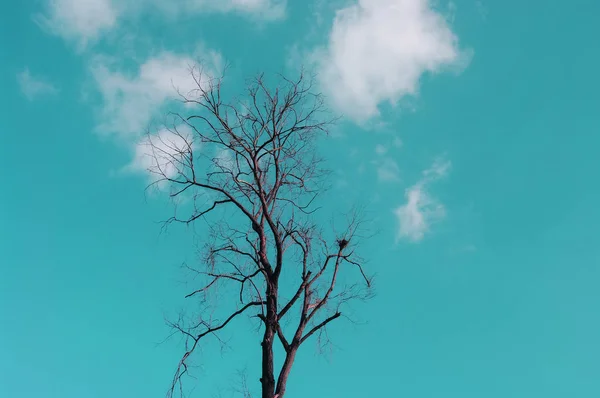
x,y
471,129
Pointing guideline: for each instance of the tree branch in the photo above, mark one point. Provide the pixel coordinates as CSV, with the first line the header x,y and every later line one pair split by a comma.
x,y
320,325
182,367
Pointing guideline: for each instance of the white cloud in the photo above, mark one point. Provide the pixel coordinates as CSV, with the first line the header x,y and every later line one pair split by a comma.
x,y
379,49
33,86
85,21
162,154
129,101
79,21
421,209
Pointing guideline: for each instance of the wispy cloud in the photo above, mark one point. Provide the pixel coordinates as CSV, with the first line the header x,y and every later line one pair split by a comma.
x,y
131,100
481,10
421,209
34,86
386,167
379,49
163,154
380,149
387,170
84,22
260,9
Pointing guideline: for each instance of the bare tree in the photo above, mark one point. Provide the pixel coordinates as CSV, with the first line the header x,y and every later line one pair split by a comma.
x,y
250,170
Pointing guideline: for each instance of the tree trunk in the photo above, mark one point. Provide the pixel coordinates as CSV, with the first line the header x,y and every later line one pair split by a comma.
x,y
285,372
268,373
268,377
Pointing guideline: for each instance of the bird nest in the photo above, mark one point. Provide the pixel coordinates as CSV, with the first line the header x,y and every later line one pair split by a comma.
x,y
342,243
